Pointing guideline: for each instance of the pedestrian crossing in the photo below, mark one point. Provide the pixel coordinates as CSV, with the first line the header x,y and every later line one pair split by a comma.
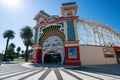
x,y
18,72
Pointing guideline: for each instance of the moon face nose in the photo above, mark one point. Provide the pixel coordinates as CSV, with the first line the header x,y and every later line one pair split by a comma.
x,y
51,46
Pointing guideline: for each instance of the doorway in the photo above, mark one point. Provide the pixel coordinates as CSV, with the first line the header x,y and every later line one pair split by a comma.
x,y
118,56
52,58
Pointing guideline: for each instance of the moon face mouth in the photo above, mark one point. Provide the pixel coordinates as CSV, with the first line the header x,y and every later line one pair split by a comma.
x,y
53,50
52,58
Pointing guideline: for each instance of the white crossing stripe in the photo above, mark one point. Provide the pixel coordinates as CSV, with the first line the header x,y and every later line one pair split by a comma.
x,y
36,76
66,76
51,76
84,77
17,72
19,76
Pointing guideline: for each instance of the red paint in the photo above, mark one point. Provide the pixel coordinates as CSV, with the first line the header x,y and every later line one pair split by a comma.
x,y
56,21
38,56
116,48
72,61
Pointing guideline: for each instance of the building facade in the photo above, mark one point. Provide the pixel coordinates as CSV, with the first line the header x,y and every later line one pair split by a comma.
x,y
56,41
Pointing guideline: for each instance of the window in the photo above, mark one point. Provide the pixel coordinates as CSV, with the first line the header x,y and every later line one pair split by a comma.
x,y
72,53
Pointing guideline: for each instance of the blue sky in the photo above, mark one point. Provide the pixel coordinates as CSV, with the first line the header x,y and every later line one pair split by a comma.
x,y
16,17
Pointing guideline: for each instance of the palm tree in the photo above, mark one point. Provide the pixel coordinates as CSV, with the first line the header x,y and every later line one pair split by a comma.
x,y
9,34
10,51
30,42
26,34
22,51
22,55
18,50
12,45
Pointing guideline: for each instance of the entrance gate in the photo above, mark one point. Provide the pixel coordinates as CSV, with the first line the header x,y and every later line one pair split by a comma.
x,y
52,58
53,50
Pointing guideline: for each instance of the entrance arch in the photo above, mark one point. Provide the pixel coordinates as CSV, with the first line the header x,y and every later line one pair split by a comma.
x,y
53,50
52,58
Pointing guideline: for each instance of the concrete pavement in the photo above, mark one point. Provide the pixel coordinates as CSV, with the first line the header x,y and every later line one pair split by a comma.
x,y
30,71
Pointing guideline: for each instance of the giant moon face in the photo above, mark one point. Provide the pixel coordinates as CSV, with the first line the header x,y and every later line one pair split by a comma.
x,y
53,45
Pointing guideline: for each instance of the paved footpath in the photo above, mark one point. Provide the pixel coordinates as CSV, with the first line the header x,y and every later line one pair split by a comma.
x,y
29,71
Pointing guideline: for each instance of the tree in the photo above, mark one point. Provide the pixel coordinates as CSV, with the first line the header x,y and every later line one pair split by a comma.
x,y
9,34
18,50
30,42
30,53
12,45
26,34
22,51
10,51
22,55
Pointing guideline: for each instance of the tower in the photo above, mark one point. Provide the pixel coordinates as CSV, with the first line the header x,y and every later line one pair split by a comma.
x,y
37,48
69,10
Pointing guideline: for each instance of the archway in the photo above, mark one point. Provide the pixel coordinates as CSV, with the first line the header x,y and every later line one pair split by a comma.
x,y
53,50
52,58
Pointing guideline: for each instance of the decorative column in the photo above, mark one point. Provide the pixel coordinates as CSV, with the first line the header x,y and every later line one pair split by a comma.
x,y
37,54
72,49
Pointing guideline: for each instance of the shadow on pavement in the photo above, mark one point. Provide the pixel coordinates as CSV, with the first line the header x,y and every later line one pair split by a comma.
x,y
51,65
9,62
98,69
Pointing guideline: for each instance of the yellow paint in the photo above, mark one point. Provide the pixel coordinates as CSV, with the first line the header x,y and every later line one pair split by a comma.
x,y
43,19
36,48
75,29
66,26
69,12
75,44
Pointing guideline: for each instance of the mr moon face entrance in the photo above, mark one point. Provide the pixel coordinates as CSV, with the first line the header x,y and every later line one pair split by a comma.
x,y
53,50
